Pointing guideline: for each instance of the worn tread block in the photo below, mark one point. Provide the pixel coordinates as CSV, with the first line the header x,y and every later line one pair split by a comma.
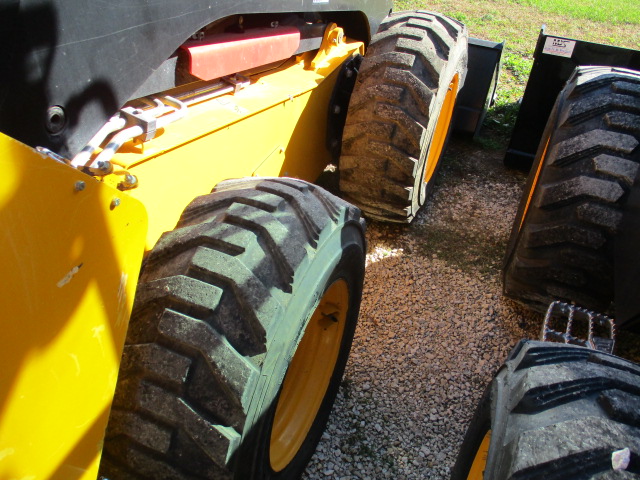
x,y
213,292
396,102
578,197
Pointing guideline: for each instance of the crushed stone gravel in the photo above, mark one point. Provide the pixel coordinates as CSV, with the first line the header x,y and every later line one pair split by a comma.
x,y
433,328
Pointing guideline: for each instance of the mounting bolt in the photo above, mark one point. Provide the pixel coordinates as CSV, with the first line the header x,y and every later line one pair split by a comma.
x,y
105,167
336,109
349,73
79,186
129,182
115,202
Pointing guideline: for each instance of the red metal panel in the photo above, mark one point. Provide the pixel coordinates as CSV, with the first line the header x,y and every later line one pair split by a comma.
x,y
234,52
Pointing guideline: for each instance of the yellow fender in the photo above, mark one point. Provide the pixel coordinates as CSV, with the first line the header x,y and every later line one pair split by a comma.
x,y
70,250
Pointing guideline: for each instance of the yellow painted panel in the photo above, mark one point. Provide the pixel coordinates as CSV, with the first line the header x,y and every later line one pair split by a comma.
x,y
275,127
70,260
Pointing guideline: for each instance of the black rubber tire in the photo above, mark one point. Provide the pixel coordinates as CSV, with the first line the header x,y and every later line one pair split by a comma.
x,y
564,248
222,303
557,412
393,112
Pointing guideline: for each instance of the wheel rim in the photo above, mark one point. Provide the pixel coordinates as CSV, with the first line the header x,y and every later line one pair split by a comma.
x,y
533,184
308,375
442,129
476,472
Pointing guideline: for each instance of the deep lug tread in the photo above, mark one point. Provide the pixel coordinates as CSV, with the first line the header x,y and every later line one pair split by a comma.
x,y
146,433
578,188
126,459
595,141
212,298
550,356
591,162
590,107
273,234
196,334
621,406
396,101
155,362
556,412
542,398
252,297
312,226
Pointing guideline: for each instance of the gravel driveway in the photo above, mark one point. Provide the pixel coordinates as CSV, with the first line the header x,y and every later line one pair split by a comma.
x,y
433,328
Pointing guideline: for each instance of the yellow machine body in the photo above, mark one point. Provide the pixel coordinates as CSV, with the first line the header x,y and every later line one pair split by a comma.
x,y
70,262
275,127
71,247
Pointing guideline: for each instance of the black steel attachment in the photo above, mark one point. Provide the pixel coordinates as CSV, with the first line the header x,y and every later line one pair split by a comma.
x,y
555,58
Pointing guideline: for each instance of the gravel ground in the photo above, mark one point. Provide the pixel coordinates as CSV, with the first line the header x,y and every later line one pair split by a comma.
x,y
433,328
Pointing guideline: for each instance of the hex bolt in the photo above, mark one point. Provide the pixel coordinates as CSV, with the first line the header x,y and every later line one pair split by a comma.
x,y
104,167
79,186
336,109
349,73
115,202
129,182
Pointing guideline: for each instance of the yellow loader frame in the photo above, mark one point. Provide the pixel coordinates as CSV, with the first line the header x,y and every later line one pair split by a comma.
x,y
71,247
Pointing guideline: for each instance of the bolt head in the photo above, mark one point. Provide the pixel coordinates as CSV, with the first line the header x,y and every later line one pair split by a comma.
x,y
79,186
115,203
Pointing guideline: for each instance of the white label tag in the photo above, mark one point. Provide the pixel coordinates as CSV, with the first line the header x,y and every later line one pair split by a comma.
x,y
560,47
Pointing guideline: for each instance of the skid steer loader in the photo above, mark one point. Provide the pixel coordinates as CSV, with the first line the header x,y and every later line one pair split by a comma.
x,y
224,316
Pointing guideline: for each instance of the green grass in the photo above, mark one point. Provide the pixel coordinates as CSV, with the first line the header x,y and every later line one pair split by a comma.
x,y
517,23
606,11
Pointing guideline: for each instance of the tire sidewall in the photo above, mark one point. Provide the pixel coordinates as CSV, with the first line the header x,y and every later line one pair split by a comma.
x,y
341,255
456,63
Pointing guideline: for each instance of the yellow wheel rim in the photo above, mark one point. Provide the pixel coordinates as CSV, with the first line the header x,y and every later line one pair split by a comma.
x,y
533,184
480,460
442,128
308,376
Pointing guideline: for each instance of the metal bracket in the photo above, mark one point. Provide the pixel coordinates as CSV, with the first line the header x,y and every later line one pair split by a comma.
x,y
237,81
333,36
142,118
579,319
131,123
